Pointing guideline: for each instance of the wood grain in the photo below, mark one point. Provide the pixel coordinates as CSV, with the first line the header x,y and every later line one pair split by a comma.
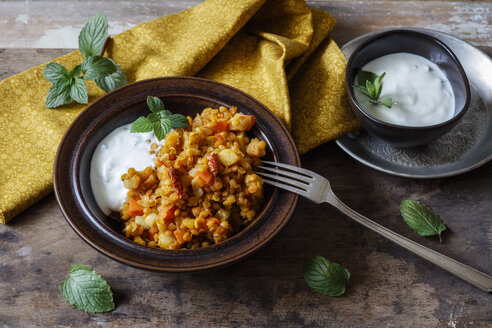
x,y
28,24
389,287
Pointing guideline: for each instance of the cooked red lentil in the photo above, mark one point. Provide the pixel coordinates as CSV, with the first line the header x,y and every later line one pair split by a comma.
x,y
202,189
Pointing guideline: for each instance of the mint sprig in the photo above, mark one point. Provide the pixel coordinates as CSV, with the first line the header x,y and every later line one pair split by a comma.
x,y
421,218
103,71
371,85
160,121
87,291
325,277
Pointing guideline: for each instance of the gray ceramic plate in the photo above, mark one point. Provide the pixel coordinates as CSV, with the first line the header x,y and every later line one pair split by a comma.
x,y
467,146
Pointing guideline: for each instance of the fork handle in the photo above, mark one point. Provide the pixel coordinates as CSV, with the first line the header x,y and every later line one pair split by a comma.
x,y
469,274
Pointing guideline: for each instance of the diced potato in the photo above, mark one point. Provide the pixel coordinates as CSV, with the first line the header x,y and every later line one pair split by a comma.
x,y
141,222
165,241
228,157
150,220
240,122
256,148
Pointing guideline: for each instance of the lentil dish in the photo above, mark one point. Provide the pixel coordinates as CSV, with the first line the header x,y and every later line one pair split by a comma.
x,y
202,189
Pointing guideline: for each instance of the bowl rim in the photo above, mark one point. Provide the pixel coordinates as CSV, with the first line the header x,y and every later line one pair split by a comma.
x,y
439,43
59,176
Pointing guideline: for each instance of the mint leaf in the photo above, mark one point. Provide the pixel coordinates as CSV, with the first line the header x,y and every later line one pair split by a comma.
x,y
87,291
96,67
421,218
75,72
58,94
142,124
155,104
161,121
325,277
371,91
54,71
113,80
78,91
371,85
93,35
378,84
178,121
388,102
363,76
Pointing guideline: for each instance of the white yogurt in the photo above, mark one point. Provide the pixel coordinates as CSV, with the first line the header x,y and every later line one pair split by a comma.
x,y
114,155
421,93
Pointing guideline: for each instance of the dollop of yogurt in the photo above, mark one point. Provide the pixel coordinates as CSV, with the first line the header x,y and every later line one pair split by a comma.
x,y
114,155
421,92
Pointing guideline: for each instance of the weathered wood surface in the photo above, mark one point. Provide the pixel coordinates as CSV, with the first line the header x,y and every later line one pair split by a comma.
x,y
55,24
389,287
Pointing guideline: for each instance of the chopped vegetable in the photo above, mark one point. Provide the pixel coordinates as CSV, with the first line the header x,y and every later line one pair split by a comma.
x,y
242,122
179,236
206,177
169,214
135,208
220,126
228,157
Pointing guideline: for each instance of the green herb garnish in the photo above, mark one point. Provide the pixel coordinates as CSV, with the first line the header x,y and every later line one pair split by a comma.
x,y
161,121
371,85
325,277
108,75
87,291
421,218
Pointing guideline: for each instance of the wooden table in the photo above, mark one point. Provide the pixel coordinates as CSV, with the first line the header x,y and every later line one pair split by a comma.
x,y
389,287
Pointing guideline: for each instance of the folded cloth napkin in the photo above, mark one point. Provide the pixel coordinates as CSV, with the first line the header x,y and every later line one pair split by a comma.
x,y
278,51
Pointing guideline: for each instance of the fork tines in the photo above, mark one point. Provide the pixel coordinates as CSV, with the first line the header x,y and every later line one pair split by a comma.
x,y
288,177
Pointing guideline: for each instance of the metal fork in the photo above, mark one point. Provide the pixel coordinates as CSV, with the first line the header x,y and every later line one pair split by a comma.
x,y
317,189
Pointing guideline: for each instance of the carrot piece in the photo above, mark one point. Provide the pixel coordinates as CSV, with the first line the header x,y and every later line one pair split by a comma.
x,y
151,234
220,126
135,208
169,214
206,177
179,236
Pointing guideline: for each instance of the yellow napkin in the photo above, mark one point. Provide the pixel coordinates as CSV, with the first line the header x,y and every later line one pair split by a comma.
x,y
278,51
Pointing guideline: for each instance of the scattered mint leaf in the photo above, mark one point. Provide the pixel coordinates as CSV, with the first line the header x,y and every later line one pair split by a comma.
x,y
96,67
93,35
87,291
371,85
155,104
107,74
58,94
75,72
325,277
54,71
78,91
388,102
113,80
421,218
160,121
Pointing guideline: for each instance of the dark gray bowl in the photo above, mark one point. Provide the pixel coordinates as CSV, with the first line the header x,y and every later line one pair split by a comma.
x,y
184,95
419,44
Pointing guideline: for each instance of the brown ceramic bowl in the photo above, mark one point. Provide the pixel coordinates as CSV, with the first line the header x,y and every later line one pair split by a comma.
x,y
182,95
427,46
